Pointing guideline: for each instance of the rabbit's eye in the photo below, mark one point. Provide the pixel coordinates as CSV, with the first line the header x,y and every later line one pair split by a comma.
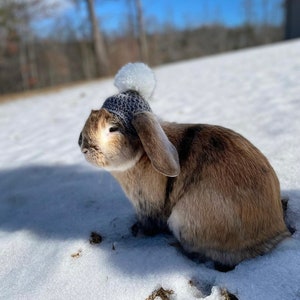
x,y
113,129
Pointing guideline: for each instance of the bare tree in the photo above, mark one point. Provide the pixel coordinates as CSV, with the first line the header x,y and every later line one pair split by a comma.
x,y
248,8
142,39
98,41
15,23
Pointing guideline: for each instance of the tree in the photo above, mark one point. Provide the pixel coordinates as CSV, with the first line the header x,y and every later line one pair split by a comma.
x,y
142,39
98,41
15,23
248,8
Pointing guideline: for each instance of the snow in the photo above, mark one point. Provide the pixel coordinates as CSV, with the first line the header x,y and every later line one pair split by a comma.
x,y
51,199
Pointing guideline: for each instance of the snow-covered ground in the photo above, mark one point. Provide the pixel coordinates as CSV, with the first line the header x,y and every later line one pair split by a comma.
x,y
51,199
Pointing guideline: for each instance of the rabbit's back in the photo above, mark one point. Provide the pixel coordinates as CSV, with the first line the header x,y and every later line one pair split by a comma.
x,y
225,203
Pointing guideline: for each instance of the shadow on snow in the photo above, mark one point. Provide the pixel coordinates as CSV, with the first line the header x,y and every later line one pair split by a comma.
x,y
69,202
60,201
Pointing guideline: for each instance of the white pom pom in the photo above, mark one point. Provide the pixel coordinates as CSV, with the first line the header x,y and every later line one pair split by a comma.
x,y
137,77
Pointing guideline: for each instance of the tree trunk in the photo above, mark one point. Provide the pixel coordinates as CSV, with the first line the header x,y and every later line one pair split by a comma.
x,y
86,61
100,52
23,66
142,40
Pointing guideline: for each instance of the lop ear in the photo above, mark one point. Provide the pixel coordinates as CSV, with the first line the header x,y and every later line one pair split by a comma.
x,y
161,152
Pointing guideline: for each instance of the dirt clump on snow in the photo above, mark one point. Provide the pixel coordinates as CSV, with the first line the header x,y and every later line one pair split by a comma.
x,y
161,293
77,254
95,238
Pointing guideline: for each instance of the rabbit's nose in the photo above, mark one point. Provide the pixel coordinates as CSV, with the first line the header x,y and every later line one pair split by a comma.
x,y
80,139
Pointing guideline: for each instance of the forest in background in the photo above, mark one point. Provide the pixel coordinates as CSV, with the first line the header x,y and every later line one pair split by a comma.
x,y
81,50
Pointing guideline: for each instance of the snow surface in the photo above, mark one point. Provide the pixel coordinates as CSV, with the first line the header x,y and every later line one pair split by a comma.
x,y
51,199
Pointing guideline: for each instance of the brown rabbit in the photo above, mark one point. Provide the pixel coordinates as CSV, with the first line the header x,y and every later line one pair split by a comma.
x,y
211,187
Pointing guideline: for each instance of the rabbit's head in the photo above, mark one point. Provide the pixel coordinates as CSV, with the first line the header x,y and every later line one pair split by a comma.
x,y
106,144
116,136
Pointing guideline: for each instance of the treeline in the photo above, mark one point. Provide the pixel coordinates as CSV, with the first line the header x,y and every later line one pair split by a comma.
x,y
28,61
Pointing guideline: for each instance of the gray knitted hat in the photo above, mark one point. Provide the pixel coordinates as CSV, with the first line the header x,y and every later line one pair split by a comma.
x,y
136,83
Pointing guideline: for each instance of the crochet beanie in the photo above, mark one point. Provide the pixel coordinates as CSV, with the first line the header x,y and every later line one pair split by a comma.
x,y
136,83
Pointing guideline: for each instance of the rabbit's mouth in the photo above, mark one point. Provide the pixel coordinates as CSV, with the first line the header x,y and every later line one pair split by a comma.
x,y
94,156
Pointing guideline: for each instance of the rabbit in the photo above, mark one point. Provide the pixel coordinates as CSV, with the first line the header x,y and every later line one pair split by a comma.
x,y
214,190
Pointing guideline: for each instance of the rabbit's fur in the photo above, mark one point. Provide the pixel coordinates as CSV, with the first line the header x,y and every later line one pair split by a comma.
x,y
210,186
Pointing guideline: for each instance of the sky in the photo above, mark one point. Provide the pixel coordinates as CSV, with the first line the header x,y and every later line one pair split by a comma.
x,y
187,12
113,14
